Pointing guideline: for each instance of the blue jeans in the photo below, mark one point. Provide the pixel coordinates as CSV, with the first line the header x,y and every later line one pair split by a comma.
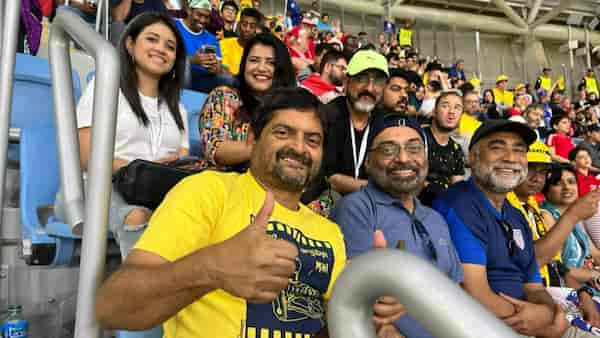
x,y
203,81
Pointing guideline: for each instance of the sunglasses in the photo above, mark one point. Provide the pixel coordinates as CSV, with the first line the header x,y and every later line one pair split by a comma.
x,y
426,238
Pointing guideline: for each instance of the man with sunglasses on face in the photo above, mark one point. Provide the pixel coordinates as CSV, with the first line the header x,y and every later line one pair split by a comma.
x,y
349,118
549,238
493,238
387,212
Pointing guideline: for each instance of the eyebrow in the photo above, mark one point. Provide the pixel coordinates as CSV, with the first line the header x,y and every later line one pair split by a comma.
x,y
504,143
158,36
288,127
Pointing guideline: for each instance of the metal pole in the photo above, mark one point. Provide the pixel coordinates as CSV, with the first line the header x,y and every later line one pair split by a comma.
x,y
502,62
478,54
93,251
440,305
2,12
564,4
571,60
588,50
534,11
435,42
7,74
99,15
453,44
107,20
510,13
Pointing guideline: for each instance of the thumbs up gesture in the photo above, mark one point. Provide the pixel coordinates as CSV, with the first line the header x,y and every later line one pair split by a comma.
x,y
253,265
387,309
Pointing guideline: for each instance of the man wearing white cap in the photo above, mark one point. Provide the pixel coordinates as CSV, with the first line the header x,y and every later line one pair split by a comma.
x,y
202,47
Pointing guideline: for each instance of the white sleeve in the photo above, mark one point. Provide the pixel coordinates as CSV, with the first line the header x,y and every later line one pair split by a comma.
x,y
85,106
185,140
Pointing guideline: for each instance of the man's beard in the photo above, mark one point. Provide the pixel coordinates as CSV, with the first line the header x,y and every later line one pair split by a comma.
x,y
396,186
292,182
363,107
487,177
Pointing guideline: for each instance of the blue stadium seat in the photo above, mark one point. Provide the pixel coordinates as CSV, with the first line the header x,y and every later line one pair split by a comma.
x,y
32,80
154,333
39,183
193,102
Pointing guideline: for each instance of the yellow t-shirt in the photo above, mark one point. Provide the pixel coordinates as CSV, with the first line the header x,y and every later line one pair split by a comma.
x,y
502,97
467,126
210,207
538,227
231,52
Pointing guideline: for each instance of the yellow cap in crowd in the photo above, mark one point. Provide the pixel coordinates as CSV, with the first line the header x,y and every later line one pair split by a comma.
x,y
539,153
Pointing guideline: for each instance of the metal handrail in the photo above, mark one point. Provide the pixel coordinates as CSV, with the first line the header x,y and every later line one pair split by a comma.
x,y
437,303
69,26
9,33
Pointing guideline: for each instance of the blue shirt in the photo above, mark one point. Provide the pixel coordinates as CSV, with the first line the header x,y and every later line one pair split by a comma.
x,y
361,213
324,27
477,232
454,73
194,41
147,5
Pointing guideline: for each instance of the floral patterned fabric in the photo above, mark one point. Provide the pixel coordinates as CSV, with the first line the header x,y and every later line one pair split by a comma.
x,y
223,118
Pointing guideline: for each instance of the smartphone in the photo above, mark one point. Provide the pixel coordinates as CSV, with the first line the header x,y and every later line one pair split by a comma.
x,y
208,49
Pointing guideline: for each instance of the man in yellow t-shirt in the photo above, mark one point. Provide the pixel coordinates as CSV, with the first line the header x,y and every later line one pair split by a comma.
x,y
504,97
232,49
549,238
237,255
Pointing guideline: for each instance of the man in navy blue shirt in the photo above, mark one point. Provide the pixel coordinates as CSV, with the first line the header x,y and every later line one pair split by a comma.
x,y
202,48
125,10
397,167
493,238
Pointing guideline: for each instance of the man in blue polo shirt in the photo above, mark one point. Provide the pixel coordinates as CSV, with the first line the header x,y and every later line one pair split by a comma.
x,y
397,167
202,48
493,238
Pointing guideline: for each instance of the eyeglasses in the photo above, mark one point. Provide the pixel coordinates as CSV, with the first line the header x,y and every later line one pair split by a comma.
x,y
365,79
508,232
389,150
426,238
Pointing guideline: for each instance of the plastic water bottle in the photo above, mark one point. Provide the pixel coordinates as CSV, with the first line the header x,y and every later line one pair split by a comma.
x,y
14,324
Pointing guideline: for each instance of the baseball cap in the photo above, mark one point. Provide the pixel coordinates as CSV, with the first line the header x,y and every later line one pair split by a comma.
x,y
367,59
539,153
387,120
501,78
199,4
493,126
520,86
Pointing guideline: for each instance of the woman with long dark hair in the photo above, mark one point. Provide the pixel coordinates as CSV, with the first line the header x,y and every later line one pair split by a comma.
x,y
227,112
151,123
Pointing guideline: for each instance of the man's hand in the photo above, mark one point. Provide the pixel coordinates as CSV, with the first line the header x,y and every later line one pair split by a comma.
x,y
588,307
559,325
529,318
387,309
208,61
585,207
253,265
388,331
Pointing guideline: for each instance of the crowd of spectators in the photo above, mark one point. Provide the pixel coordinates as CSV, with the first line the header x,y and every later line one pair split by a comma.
x,y
496,187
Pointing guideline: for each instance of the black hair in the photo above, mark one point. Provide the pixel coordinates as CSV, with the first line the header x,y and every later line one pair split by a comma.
x,y
330,57
284,71
392,56
169,85
556,118
484,94
573,153
324,14
467,87
435,85
399,73
368,46
362,33
230,3
323,48
555,175
277,99
446,94
252,13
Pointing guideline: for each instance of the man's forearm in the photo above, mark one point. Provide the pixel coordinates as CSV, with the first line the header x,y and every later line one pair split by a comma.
x,y
540,296
121,11
345,184
548,246
140,297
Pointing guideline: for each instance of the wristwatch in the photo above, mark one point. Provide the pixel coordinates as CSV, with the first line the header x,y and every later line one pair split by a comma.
x,y
587,289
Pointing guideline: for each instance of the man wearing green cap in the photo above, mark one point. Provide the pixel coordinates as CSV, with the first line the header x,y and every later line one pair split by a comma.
x,y
349,119
202,48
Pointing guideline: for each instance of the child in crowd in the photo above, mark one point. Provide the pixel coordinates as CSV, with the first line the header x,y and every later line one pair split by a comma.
x,y
560,142
586,179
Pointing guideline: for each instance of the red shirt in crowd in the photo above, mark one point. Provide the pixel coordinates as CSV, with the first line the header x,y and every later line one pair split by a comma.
x,y
586,183
562,144
325,91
